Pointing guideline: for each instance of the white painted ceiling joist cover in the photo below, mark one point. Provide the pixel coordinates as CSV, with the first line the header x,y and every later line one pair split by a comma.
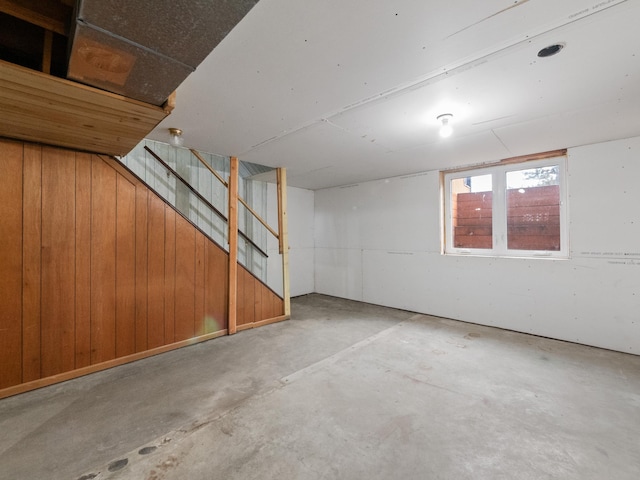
x,y
340,92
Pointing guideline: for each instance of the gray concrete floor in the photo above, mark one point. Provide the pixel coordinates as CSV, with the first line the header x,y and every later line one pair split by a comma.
x,y
342,391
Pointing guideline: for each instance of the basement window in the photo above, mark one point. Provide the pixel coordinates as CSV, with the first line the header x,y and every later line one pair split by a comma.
x,y
514,209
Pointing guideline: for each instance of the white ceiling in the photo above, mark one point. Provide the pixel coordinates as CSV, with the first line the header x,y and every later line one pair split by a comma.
x,y
340,92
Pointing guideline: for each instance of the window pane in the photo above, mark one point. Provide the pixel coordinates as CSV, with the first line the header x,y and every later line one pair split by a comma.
x,y
533,209
471,199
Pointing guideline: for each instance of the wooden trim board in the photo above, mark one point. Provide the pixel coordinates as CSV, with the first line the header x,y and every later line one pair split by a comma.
x,y
262,323
25,387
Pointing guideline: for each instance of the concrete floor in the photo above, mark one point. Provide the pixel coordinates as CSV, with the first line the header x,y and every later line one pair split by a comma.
x,y
342,391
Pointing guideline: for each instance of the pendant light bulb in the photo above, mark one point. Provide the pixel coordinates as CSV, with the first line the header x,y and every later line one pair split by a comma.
x,y
175,137
445,121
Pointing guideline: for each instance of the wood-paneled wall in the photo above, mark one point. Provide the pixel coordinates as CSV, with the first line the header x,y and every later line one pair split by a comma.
x,y
94,267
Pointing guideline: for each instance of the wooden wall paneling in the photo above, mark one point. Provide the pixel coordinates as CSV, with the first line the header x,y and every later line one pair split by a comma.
x,y
240,305
199,306
280,306
155,248
249,296
103,262
58,261
169,275
274,311
277,305
31,265
258,304
142,200
125,267
185,279
216,281
11,166
267,303
83,260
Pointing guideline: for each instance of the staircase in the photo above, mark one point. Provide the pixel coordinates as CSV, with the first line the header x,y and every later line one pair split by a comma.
x,y
98,269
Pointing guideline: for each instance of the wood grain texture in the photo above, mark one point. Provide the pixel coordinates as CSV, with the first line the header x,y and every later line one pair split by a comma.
x,y
185,280
52,16
199,305
248,297
11,263
240,305
95,268
169,275
125,267
142,200
83,259
103,262
31,267
258,304
233,245
58,261
216,284
155,291
41,108
283,230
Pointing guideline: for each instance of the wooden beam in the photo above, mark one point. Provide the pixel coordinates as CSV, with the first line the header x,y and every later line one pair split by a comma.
x,y
233,245
53,16
170,103
510,160
259,218
209,167
284,238
46,51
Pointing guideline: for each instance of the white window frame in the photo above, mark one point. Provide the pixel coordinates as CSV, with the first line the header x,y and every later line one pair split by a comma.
x,y
499,209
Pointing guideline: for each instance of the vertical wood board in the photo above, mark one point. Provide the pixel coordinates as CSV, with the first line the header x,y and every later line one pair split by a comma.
x,y
103,262
11,263
125,267
83,259
155,291
58,261
31,268
185,279
142,200
169,275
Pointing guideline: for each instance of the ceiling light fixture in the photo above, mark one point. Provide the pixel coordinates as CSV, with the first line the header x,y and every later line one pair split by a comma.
x,y
445,130
175,137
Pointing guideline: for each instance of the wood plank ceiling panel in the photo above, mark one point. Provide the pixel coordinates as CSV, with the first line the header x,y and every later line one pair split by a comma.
x,y
45,109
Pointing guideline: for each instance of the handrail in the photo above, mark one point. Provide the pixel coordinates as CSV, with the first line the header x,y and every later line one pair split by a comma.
x,y
204,200
259,218
240,199
215,174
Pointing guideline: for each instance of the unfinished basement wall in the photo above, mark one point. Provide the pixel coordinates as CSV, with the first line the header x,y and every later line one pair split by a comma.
x,y
300,210
379,242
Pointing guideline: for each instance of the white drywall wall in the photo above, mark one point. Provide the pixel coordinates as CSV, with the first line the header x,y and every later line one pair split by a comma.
x,y
300,207
379,242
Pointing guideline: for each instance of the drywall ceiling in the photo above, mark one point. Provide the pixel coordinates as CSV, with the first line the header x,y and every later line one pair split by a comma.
x,y
343,92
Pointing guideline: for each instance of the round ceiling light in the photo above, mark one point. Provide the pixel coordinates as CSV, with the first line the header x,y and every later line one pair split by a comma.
x,y
445,124
550,50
